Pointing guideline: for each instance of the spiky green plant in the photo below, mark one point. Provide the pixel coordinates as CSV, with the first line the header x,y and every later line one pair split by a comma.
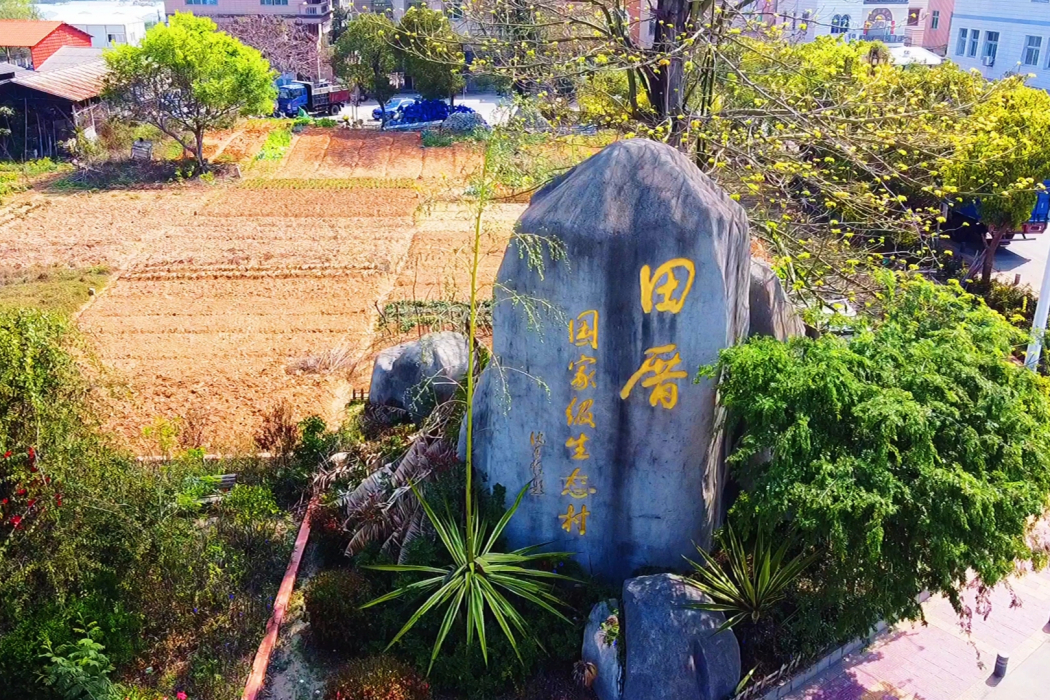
x,y
750,583
475,583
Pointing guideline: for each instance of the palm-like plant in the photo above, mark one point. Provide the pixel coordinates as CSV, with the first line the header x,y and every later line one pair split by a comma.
x,y
476,581
750,582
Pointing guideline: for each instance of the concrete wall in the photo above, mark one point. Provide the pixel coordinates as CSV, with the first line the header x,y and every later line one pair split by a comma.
x,y
106,36
1013,21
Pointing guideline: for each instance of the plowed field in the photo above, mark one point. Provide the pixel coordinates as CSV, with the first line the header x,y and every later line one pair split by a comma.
x,y
221,289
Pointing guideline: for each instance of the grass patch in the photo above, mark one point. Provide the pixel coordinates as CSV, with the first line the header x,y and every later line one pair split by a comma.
x,y
405,316
16,177
441,139
361,183
277,143
58,289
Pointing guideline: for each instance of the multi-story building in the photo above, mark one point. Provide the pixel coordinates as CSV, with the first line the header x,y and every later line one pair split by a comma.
x,y
314,14
1003,36
912,22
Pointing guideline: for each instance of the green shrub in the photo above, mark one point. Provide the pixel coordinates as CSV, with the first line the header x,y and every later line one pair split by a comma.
x,y
909,457
377,678
333,601
80,670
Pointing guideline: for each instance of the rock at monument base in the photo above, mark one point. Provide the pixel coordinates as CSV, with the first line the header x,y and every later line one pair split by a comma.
x,y
604,656
772,313
673,652
594,408
416,376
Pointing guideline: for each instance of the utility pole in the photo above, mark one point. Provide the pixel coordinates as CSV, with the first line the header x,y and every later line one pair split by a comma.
x,y
1035,346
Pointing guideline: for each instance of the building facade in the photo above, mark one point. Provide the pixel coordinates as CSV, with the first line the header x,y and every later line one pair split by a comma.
x,y
314,14
108,22
998,37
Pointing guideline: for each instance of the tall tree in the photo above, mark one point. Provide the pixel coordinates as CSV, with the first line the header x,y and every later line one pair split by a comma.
x,y
18,9
432,53
364,56
188,77
289,47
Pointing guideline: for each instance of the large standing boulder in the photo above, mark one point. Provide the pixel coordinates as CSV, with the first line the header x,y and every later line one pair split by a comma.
x,y
593,407
772,312
416,376
675,652
601,648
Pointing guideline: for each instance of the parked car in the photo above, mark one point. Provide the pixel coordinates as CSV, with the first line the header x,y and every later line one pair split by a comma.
x,y
391,108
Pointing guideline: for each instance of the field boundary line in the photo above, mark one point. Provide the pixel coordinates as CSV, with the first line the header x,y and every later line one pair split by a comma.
x,y
257,677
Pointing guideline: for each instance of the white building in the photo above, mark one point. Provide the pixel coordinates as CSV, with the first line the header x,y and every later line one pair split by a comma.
x,y
884,20
109,22
1003,36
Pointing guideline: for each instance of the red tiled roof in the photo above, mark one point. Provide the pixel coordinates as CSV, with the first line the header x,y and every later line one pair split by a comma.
x,y
25,33
76,84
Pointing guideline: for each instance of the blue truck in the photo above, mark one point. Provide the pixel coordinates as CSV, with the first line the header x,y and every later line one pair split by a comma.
x,y
965,225
313,98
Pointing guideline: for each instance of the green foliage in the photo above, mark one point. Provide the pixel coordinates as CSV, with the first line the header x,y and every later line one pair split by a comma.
x,y
431,51
276,145
376,678
751,582
910,456
86,533
18,9
58,289
333,608
79,671
364,57
186,76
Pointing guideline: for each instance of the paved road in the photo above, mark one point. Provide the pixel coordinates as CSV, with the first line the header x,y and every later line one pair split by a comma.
x,y
1026,258
941,661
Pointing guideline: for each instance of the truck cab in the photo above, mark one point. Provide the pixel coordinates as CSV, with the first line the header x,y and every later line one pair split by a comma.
x,y
291,97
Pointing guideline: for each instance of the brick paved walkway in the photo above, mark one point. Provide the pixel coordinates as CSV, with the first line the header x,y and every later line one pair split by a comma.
x,y
939,661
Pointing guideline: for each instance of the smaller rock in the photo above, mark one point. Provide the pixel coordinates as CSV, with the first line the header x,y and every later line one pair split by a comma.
x,y
772,312
673,651
415,377
464,122
601,647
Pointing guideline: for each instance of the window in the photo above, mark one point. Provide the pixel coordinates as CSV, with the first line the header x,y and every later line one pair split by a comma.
x,y
844,26
960,46
991,47
935,19
202,2
1032,44
273,2
975,36
836,24
115,39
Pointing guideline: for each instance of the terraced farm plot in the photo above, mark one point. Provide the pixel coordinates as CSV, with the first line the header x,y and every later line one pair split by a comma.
x,y
220,290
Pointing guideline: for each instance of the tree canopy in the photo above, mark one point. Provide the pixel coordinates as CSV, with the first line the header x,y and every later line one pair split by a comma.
x,y
364,55
910,455
188,77
431,52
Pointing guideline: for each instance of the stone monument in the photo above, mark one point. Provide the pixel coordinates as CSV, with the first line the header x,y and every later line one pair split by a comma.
x,y
596,411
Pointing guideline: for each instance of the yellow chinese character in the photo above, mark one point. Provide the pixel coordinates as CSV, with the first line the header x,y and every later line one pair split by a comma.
x,y
665,291
580,415
578,445
576,485
571,518
583,379
583,330
665,391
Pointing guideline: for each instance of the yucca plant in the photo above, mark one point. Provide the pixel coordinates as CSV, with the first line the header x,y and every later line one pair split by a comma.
x,y
475,584
750,583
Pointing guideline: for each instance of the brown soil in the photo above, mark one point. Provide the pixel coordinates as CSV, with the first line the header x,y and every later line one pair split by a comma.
x,y
221,288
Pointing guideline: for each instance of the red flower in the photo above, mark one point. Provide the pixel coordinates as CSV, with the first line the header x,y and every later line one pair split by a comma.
x,y
7,455
31,502
20,492
3,502
16,520
180,695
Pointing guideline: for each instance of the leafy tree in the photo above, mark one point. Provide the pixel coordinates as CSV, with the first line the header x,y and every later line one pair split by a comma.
x,y
187,76
909,456
364,56
18,9
432,53
1001,158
